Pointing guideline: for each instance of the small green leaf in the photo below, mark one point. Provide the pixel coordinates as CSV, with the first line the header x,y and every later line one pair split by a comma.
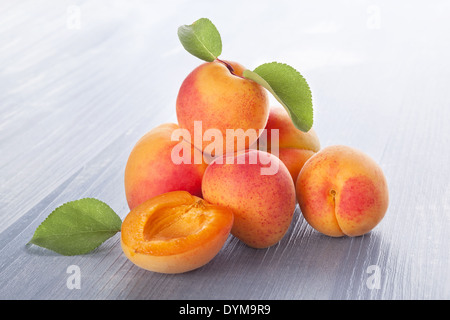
x,y
77,227
201,39
289,87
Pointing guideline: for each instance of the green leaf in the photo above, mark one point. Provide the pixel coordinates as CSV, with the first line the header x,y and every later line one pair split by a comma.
x,y
201,39
290,89
77,227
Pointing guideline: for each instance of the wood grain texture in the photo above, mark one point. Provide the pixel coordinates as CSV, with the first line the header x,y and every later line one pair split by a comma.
x,y
81,82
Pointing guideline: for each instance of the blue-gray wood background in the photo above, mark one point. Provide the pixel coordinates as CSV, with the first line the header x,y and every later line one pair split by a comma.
x,y
82,81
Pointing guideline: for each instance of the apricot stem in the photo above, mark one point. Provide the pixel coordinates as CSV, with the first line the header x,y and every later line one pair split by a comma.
x,y
229,67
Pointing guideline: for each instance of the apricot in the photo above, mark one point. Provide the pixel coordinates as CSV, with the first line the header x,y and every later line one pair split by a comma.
x,y
174,232
263,202
342,191
151,169
217,96
294,145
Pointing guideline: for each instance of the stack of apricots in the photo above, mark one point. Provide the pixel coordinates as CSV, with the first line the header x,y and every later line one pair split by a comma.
x,y
182,213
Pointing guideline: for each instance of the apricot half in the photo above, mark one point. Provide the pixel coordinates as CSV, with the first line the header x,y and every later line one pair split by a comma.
x,y
175,232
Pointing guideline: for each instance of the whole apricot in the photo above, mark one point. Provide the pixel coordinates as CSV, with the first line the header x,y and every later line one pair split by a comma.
x,y
294,146
342,191
175,232
216,97
259,190
153,169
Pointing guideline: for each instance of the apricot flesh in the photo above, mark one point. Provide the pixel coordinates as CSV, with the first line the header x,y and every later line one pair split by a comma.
x,y
263,204
295,147
342,191
151,169
175,232
216,94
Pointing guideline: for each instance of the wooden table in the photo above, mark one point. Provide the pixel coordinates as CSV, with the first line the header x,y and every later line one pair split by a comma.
x,y
80,83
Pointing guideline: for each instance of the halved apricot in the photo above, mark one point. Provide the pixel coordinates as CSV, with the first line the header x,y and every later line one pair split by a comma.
x,y
175,232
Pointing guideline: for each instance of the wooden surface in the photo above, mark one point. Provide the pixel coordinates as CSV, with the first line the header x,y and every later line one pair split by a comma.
x,y
82,81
